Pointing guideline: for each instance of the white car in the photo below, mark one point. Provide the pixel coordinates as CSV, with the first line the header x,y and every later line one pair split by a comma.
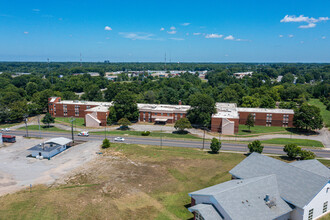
x,y
5,129
83,133
120,139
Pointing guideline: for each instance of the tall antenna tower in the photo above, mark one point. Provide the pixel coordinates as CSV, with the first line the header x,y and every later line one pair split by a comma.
x,y
165,62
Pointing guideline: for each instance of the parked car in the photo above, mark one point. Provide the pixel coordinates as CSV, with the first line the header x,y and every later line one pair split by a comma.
x,y
5,129
119,139
83,133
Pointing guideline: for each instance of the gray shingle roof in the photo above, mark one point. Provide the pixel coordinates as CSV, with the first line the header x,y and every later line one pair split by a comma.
x,y
313,166
296,186
207,211
244,199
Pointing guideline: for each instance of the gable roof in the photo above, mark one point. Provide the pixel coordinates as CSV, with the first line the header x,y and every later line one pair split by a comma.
x,y
207,211
59,141
245,198
313,166
296,186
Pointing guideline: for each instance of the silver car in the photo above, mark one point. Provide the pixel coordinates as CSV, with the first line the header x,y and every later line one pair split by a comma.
x,y
119,139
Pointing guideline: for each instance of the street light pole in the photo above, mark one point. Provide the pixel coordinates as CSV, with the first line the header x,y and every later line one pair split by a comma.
x,y
72,129
105,129
26,128
204,138
39,125
161,137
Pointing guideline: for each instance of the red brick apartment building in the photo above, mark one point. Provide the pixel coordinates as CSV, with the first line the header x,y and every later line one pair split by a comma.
x,y
226,120
162,113
228,117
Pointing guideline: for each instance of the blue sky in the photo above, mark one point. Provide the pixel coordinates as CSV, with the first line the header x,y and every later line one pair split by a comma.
x,y
187,31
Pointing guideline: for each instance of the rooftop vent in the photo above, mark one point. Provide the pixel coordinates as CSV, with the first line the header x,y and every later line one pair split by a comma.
x,y
270,202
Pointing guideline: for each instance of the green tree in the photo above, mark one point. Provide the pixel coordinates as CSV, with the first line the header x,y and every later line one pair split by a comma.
x,y
250,121
307,155
255,146
17,110
267,102
48,119
125,106
250,102
292,150
106,143
182,124
215,145
124,122
202,107
308,117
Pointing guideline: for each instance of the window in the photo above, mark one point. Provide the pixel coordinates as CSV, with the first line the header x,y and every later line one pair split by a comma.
x,y
161,114
176,116
310,214
76,110
144,116
285,120
155,113
88,107
181,115
325,207
254,116
65,110
149,116
54,109
168,114
269,120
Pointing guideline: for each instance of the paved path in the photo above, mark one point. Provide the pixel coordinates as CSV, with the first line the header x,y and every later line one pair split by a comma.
x,y
273,149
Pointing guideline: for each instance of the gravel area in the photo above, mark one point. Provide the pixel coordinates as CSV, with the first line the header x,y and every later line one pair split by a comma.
x,y
18,171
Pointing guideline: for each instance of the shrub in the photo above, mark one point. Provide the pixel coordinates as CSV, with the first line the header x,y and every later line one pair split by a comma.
x,y
255,146
105,144
145,133
292,150
215,145
306,155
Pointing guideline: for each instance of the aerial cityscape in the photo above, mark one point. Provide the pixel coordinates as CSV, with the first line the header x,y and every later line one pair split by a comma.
x,y
165,110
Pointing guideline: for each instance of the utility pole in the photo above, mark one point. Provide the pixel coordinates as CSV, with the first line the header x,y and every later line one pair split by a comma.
x,y
26,128
161,137
203,138
72,119
105,129
39,125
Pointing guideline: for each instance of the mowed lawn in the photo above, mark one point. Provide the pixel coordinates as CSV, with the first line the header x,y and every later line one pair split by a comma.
x,y
299,142
43,128
324,112
152,134
257,129
67,120
126,182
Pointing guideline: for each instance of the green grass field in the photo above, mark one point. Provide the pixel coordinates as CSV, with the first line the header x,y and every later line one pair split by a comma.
x,y
127,181
324,112
79,122
43,128
299,142
243,130
152,134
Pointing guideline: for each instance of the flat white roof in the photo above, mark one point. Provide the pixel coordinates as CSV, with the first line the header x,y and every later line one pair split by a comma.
x,y
161,107
226,114
78,102
266,110
100,108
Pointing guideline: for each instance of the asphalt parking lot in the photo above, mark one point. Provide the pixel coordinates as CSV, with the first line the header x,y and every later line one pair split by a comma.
x,y
18,171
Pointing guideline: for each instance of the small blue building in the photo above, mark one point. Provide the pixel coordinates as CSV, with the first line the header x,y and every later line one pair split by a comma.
x,y
50,148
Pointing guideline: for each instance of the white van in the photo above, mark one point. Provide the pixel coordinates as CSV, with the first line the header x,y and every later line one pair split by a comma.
x,y
83,133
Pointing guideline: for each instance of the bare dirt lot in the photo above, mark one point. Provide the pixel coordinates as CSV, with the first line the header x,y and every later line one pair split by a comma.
x,y
18,171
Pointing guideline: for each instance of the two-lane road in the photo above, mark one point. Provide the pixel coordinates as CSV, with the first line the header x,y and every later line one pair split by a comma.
x,y
271,149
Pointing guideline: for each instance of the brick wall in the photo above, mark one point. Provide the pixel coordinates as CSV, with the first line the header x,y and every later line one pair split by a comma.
x,y
261,119
216,124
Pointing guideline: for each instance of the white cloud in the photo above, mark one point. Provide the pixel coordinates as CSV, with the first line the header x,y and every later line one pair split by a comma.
x,y
162,29
214,36
242,40
25,32
309,20
36,9
196,34
175,38
171,32
310,25
137,36
230,37
290,35
324,37
280,35
172,28
107,28
185,24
